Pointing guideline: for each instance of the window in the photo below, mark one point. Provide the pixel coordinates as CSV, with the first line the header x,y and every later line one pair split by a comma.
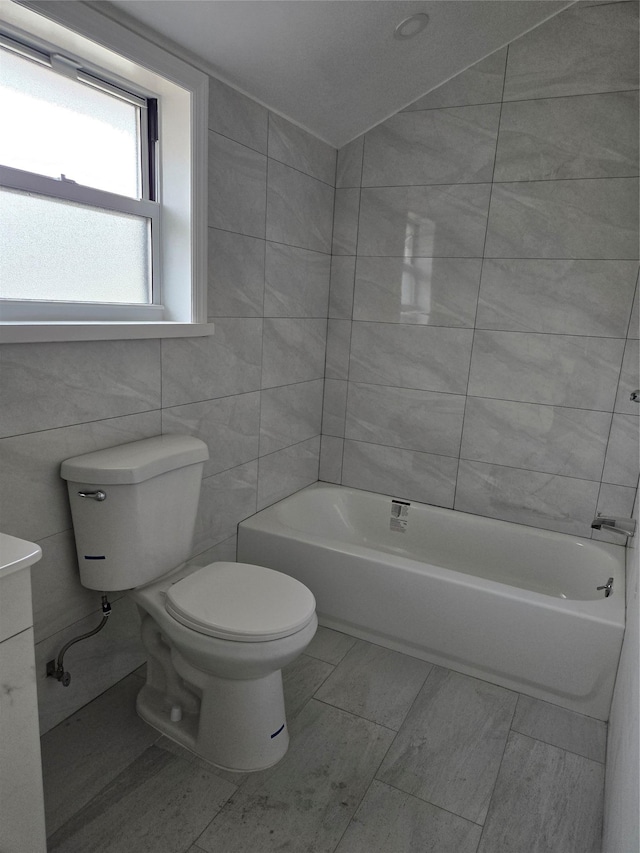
x,y
102,208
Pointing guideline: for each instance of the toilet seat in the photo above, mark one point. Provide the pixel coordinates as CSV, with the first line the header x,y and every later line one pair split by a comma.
x,y
241,602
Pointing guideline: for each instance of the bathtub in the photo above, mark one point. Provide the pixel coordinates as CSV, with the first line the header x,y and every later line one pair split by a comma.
x,y
510,604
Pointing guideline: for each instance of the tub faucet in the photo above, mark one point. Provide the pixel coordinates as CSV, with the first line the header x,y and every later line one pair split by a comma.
x,y
624,526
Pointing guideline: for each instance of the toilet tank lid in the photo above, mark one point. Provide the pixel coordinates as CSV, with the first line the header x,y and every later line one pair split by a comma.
x,y
136,461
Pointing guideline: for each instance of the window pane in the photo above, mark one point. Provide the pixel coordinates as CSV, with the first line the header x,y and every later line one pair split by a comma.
x,y
57,250
53,125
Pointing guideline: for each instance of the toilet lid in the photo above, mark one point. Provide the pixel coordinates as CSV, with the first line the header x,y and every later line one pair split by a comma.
x,y
238,601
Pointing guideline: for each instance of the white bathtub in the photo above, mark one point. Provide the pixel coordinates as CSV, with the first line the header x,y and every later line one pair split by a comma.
x,y
507,603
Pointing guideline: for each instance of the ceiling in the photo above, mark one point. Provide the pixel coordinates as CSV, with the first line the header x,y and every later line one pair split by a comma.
x,y
333,66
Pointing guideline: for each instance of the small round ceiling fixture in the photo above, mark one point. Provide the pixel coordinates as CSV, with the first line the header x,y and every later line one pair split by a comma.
x,y
411,26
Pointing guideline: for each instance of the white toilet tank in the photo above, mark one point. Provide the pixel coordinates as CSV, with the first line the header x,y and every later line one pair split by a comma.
x,y
135,518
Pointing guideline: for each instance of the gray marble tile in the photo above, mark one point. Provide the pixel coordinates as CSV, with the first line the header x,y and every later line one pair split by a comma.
x,y
421,291
224,552
564,219
329,645
237,187
442,221
449,749
349,163
50,385
561,370
590,136
407,474
334,407
299,209
480,84
296,282
225,500
545,799
405,417
229,427
559,727
621,462
557,296
311,794
300,680
341,293
290,414
580,51
338,347
33,498
89,749
629,379
617,501
389,820
236,116
425,357
146,808
287,471
549,439
548,501
634,323
298,148
229,362
375,683
345,222
330,470
446,146
293,351
236,275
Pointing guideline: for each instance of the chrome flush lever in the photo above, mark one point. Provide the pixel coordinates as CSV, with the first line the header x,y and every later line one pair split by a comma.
x,y
96,496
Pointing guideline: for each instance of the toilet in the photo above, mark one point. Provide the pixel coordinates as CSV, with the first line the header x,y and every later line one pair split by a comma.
x,y
217,637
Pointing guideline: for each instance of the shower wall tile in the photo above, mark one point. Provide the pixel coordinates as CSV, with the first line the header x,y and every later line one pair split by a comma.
x,y
621,466
564,219
298,148
236,116
548,439
446,146
290,414
437,221
51,385
564,504
349,163
556,296
343,270
229,362
293,351
225,500
480,84
296,282
334,408
407,474
287,471
629,379
430,358
634,323
405,418
338,344
345,221
237,187
423,291
299,209
592,136
235,275
331,459
583,50
560,370
229,426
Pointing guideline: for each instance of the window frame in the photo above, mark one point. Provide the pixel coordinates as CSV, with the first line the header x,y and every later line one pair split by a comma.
x,y
100,44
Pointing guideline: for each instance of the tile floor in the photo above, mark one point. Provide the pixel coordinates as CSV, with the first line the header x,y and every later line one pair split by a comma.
x,y
388,754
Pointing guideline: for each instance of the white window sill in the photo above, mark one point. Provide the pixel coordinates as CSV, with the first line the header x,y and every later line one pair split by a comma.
x,y
24,333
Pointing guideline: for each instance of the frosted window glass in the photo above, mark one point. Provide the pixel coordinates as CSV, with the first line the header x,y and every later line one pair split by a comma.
x,y
61,251
53,125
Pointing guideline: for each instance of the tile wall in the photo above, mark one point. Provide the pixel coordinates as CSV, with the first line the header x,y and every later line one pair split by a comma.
x,y
253,391
483,331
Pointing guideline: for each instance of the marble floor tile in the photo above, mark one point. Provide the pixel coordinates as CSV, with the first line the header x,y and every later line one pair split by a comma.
x,y
311,795
559,727
300,680
545,799
389,820
329,645
449,748
159,804
375,683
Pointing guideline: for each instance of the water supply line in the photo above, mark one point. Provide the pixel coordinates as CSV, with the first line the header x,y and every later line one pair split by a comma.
x,y
55,668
